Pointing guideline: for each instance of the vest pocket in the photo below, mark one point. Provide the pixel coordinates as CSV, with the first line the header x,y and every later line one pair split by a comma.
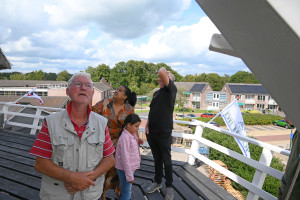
x,y
95,150
63,150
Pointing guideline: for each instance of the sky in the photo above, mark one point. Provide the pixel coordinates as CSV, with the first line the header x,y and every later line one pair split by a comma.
x,y
57,35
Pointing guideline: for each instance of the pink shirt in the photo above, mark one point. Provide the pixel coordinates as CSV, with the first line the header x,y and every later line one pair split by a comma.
x,y
128,156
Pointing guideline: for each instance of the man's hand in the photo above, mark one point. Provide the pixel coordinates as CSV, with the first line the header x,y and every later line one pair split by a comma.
x,y
140,141
73,190
80,181
70,189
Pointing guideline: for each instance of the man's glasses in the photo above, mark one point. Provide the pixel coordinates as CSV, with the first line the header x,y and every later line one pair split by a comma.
x,y
79,84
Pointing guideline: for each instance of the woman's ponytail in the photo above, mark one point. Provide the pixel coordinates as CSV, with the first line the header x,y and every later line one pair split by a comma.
x,y
131,96
132,99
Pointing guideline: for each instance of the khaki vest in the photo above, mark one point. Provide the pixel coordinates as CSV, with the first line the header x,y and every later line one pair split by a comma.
x,y
74,154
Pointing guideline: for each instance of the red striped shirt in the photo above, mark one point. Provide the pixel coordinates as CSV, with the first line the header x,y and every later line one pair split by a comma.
x,y
42,146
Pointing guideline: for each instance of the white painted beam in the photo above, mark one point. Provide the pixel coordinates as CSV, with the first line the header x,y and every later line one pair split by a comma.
x,y
265,35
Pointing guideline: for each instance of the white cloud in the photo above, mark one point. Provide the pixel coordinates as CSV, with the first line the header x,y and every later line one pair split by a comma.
x,y
55,35
120,18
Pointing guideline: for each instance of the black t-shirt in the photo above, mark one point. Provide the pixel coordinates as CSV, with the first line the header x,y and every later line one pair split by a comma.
x,y
161,108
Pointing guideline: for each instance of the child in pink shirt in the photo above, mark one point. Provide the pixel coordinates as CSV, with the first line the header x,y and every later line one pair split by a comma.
x,y
128,156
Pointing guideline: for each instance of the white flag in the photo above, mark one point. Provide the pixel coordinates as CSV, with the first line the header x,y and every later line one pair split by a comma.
x,y
234,120
31,94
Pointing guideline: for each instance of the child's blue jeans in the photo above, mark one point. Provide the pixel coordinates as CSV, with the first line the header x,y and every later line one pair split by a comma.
x,y
125,186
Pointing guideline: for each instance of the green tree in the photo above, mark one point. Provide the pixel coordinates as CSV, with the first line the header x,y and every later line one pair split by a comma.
x,y
201,78
19,76
35,75
243,77
118,75
181,98
145,88
50,76
226,78
101,71
63,76
6,75
188,78
215,81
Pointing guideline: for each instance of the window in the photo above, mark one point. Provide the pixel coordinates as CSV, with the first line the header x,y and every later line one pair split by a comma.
x,y
248,96
261,97
271,107
216,96
260,106
215,104
196,94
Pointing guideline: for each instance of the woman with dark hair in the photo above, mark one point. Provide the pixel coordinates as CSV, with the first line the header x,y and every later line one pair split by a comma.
x,y
115,109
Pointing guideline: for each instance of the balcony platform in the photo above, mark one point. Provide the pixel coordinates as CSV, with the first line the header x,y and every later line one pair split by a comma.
x,y
19,180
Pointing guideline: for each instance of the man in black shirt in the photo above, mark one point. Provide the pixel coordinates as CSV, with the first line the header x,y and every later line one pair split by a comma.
x,y
159,131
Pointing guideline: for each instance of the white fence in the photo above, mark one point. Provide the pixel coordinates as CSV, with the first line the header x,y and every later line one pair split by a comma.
x,y
10,110
262,167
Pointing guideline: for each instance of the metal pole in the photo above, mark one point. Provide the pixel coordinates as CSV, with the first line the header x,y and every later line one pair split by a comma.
x,y
213,118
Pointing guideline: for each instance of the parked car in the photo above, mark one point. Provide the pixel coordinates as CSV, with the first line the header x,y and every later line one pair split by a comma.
x,y
282,123
215,124
207,115
179,116
191,116
195,120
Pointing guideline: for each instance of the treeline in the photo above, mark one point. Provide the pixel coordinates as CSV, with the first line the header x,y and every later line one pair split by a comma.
x,y
139,76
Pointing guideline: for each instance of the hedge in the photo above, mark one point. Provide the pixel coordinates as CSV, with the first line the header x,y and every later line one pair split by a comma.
x,y
271,184
249,119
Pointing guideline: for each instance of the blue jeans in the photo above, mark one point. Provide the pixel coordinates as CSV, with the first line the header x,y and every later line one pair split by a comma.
x,y
125,186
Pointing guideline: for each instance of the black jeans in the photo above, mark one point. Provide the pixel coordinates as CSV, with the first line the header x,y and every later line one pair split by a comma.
x,y
160,144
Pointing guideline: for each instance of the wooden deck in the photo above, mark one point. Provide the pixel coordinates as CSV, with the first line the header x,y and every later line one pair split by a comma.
x,y
19,180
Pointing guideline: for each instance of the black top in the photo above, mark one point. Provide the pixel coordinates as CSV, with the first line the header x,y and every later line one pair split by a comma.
x,y
161,108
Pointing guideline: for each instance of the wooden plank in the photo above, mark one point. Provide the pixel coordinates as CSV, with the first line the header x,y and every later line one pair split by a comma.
x,y
6,196
18,135
147,162
19,191
137,193
199,188
144,183
144,174
176,194
18,152
17,140
194,179
147,168
17,158
15,145
20,167
183,189
20,178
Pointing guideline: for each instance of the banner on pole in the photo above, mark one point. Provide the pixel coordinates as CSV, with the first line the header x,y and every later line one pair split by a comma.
x,y
234,120
31,94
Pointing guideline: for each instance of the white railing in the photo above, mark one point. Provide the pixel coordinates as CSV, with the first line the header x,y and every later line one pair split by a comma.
x,y
196,99
262,166
249,101
10,110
